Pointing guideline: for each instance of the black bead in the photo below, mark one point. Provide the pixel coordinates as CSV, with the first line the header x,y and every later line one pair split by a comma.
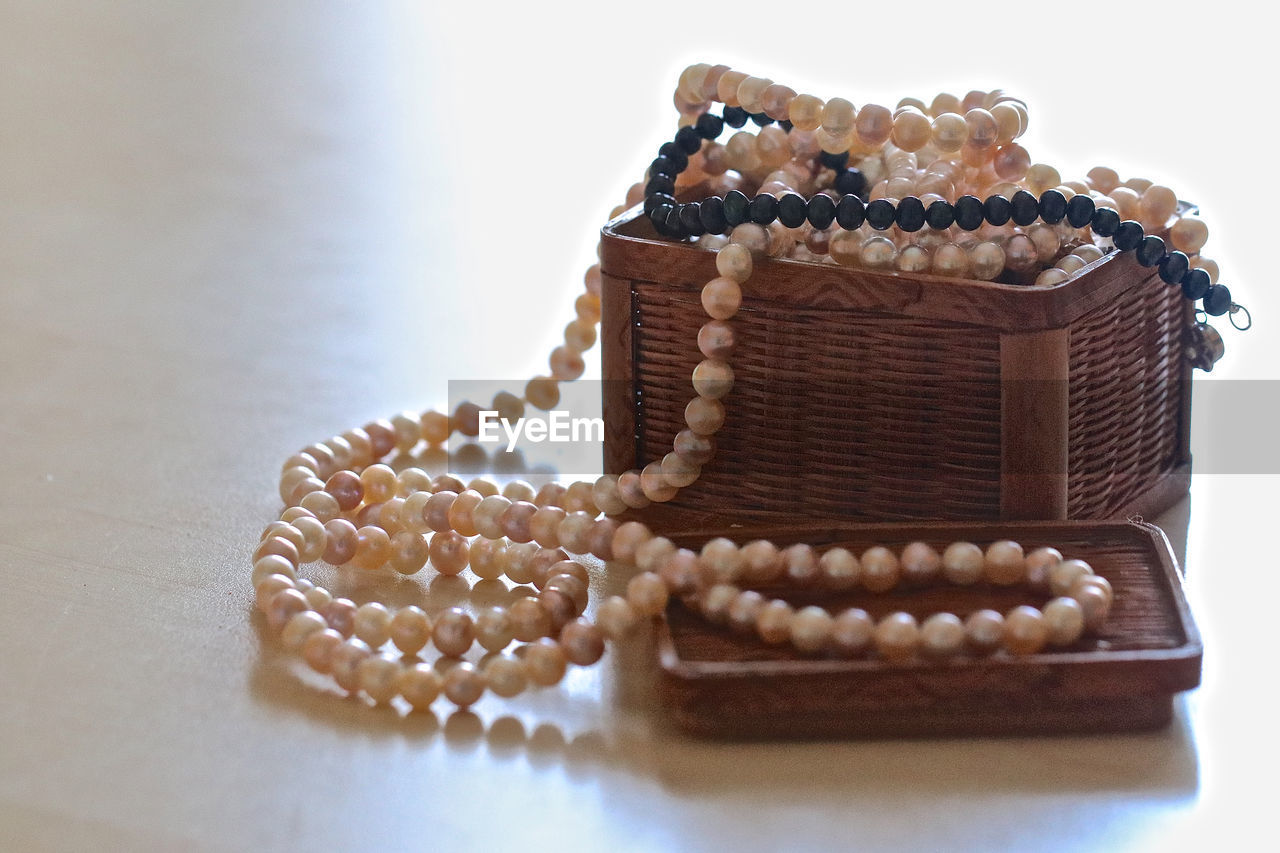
x,y
660,184
691,219
709,126
673,153
658,216
1128,235
663,166
712,215
822,211
736,208
1150,251
786,126
850,212
688,140
910,216
1025,208
1053,206
834,161
1217,301
850,182
1080,210
657,199
764,209
735,116
1174,268
880,214
997,209
940,215
969,212
792,210
761,119
1105,221
673,221
1195,284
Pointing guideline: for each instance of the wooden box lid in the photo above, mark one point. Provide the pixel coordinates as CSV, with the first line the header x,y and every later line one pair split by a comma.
x,y
720,684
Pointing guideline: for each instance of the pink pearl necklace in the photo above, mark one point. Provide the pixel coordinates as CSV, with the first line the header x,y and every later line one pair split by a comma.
x,y
345,507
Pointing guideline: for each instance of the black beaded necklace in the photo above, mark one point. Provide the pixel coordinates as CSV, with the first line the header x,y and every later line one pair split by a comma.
x,y
718,215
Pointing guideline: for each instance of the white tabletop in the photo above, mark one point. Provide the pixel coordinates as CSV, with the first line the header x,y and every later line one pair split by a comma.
x,y
230,229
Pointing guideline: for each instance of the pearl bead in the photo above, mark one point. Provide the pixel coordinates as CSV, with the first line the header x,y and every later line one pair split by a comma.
x,y
409,629
942,636
1064,618
463,684
409,552
840,569
911,131
750,91
419,685
773,620
963,563
341,616
920,564
506,676
301,626
950,131
1157,205
879,569
852,632
811,629
734,263
1025,630
1039,564
453,632
838,117
806,112
713,378
950,259
1189,235
544,662
896,636
581,642
1066,573
873,125
1004,563
494,628
379,678
987,260
318,649
271,565
762,562
283,606
984,631
647,594
372,624
616,617
448,551
344,663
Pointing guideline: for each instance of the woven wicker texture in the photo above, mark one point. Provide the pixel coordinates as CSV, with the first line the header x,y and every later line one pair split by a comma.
x,y
1126,398
871,416
878,417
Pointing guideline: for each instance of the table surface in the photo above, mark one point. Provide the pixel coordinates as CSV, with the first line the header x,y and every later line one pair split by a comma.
x,y
230,229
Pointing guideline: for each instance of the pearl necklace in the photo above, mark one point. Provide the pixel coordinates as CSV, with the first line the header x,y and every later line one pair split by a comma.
x,y
345,507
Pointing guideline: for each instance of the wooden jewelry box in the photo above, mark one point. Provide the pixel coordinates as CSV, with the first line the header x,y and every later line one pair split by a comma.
x,y
896,396
900,399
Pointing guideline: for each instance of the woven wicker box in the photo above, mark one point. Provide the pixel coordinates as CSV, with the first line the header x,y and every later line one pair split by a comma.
x,y
878,396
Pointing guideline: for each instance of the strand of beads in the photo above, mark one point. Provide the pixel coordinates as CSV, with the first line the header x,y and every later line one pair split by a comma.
x,y
372,650
1023,253
1082,598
